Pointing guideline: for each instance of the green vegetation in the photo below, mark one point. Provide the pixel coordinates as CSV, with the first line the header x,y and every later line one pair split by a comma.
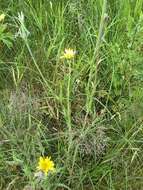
x,y
87,112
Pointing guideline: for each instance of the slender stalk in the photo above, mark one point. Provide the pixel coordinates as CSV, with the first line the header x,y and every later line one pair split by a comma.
x,y
69,107
38,69
92,81
101,29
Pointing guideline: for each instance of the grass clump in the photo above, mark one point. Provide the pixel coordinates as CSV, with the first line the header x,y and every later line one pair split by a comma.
x,y
71,88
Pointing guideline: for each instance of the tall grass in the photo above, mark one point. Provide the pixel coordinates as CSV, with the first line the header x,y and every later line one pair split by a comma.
x,y
85,113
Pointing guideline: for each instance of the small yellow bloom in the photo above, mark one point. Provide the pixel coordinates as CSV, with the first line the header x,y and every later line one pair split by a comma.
x,y
68,54
2,16
45,164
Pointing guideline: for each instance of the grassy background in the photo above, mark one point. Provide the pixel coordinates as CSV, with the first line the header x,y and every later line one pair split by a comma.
x,y
86,113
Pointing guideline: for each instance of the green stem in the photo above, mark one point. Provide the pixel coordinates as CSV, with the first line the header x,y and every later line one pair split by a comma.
x,y
38,69
101,29
69,107
92,81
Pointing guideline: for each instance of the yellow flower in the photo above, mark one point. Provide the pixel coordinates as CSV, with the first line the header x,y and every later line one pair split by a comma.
x,y
45,164
68,54
2,16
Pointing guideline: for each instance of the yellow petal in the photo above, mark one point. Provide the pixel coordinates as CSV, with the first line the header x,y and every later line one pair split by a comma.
x,y
41,159
2,16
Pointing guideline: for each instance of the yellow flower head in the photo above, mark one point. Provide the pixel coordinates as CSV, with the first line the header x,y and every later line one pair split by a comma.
x,y
45,164
68,54
2,16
